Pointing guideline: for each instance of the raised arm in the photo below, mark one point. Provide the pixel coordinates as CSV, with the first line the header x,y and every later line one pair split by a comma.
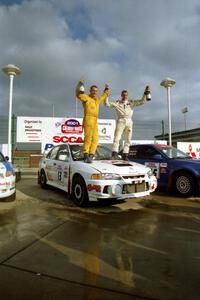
x,y
104,96
80,93
109,104
138,102
141,101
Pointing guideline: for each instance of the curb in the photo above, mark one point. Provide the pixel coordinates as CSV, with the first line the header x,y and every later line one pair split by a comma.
x,y
25,172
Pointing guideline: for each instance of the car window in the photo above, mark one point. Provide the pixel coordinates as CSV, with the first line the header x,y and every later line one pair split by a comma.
x,y
1,158
76,151
144,152
49,154
174,153
52,154
63,154
133,152
147,152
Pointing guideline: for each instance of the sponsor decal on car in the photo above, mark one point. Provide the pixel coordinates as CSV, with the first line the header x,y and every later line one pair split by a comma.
x,y
94,187
4,183
155,167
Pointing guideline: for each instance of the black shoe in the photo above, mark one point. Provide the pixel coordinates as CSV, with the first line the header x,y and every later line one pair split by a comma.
x,y
115,155
87,159
125,156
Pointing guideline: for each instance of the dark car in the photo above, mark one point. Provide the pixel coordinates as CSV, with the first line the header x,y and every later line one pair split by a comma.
x,y
175,170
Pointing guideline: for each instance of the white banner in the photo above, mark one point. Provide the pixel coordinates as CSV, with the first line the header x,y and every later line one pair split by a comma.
x,y
69,130
51,131
192,149
4,149
29,129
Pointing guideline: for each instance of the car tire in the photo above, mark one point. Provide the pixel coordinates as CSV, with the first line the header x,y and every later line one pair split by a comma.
x,y
12,197
184,184
9,198
79,192
43,179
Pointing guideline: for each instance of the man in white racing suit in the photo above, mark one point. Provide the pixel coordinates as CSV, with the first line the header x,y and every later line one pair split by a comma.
x,y
124,109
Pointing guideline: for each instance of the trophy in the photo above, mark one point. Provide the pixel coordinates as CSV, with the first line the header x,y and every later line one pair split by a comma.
x,y
147,93
106,87
81,86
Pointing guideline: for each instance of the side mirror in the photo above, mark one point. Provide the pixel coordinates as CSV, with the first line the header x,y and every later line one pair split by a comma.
x,y
157,156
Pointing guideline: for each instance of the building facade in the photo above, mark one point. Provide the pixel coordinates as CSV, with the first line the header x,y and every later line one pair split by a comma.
x,y
192,135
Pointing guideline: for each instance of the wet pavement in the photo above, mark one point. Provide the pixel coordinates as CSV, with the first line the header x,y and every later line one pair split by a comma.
x,y
148,248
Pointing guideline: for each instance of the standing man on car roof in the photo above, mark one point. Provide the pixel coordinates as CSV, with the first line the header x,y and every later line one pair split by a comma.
x,y
124,108
91,111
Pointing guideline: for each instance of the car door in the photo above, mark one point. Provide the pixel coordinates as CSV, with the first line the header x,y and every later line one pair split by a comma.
x,y
62,167
51,166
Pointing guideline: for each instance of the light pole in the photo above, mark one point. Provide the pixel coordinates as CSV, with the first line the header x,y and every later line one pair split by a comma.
x,y
168,83
184,111
11,71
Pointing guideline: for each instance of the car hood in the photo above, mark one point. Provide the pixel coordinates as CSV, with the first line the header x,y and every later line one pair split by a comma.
x,y
117,167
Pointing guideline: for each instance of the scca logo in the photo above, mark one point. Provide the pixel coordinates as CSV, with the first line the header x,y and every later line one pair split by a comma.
x,y
67,139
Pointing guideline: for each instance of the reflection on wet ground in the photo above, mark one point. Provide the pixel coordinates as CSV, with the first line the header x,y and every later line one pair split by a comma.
x,y
140,249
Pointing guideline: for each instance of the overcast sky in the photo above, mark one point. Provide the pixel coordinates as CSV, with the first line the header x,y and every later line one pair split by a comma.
x,y
126,43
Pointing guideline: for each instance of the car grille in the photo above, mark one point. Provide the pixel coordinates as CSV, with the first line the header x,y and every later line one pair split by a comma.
x,y
134,188
134,177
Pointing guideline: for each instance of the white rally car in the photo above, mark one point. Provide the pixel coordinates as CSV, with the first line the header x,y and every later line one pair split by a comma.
x,y
7,179
63,168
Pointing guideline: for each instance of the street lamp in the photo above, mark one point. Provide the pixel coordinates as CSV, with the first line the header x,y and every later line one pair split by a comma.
x,y
168,83
11,71
184,111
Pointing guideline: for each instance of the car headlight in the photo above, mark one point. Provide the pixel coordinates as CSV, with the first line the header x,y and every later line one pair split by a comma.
x,y
9,173
105,176
96,176
150,173
110,176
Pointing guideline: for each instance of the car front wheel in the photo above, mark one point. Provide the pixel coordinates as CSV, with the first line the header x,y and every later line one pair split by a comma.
x,y
184,184
79,192
9,198
43,179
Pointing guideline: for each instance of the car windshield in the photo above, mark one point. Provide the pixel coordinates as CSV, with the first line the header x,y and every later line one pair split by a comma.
x,y
102,152
174,153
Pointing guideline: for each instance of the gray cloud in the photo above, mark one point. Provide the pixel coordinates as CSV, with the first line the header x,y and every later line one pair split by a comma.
x,y
129,45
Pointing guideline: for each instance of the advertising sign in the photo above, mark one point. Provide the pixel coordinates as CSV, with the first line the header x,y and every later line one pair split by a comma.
x,y
192,149
29,129
71,126
69,130
52,131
